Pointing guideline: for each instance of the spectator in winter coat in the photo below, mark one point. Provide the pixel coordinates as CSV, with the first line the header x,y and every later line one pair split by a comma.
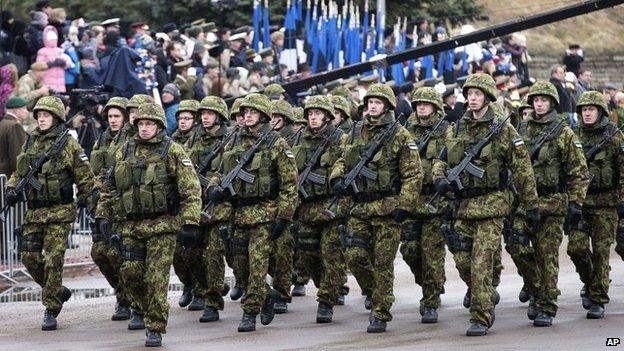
x,y
171,102
557,77
57,61
29,86
573,58
39,21
57,20
8,83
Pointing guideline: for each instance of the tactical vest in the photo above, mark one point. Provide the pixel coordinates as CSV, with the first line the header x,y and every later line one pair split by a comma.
x,y
489,159
434,148
55,176
266,182
603,168
200,146
303,152
385,163
547,166
100,159
146,188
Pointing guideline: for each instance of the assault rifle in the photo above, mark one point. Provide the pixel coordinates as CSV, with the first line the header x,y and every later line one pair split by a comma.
x,y
30,179
361,168
466,165
206,160
238,172
424,141
591,153
307,174
544,138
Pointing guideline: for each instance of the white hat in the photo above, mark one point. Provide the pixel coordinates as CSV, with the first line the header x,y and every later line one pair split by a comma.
x,y
110,22
238,36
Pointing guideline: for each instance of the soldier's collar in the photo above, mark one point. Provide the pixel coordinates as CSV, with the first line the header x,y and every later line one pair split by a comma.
x,y
159,137
551,116
381,121
487,117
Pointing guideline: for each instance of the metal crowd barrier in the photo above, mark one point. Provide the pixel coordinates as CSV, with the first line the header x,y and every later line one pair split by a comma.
x,y
79,240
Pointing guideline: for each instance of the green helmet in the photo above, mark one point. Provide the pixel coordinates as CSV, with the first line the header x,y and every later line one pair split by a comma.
x,y
381,91
592,98
281,107
298,115
216,105
430,95
258,102
138,100
188,106
341,91
235,110
117,102
544,88
273,91
153,112
483,82
51,104
341,104
320,102
524,104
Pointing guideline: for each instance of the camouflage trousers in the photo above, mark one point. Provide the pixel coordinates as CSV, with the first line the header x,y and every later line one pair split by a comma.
x,y
619,242
424,253
523,256
301,275
189,267
253,264
373,266
46,267
148,280
546,244
321,253
476,267
281,264
109,261
214,252
592,261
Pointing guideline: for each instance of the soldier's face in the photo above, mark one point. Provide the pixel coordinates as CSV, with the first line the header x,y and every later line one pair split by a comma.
x,y
45,120
476,99
185,121
541,105
424,109
147,129
252,117
208,118
115,119
316,118
277,122
590,114
376,106
167,98
132,113
337,118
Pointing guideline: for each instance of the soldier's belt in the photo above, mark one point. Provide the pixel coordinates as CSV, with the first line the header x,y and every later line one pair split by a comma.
x,y
370,197
249,202
472,193
547,191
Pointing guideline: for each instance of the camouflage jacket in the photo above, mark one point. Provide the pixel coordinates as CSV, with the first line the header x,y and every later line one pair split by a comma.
x,y
27,87
506,152
346,125
290,135
71,159
181,137
399,150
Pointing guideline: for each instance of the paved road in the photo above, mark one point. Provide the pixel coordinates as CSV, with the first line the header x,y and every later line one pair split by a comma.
x,y
85,324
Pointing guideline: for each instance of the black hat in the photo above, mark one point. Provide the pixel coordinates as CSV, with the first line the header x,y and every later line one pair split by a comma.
x,y
169,27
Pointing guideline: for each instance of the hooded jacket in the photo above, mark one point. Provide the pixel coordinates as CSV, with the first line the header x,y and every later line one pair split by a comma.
x,y
54,77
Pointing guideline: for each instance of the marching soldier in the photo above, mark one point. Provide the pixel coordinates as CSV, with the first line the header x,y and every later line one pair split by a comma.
x,y
341,115
186,116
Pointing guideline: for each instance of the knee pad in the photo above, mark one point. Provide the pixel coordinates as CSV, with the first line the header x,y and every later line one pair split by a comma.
x,y
350,238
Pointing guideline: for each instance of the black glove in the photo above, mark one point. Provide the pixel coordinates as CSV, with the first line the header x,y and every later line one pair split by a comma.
x,y
443,186
11,197
188,237
574,214
533,220
400,215
216,194
339,188
59,62
277,228
620,210
104,227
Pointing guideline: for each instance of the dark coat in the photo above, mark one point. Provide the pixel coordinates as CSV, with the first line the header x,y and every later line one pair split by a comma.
x,y
12,138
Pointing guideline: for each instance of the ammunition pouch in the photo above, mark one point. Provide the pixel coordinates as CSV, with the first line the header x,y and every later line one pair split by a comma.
x,y
455,241
238,246
28,243
411,230
66,197
130,253
349,238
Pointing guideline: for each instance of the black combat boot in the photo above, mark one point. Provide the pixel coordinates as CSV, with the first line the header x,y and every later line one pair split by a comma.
x,y
226,289
280,307
467,299
210,315
197,304
596,311
376,326
236,292
532,309
247,324
587,303
136,322
49,320
154,339
341,300
122,313
542,319
429,315
495,297
368,302
298,290
186,297
524,295
268,309
324,313
477,329
65,296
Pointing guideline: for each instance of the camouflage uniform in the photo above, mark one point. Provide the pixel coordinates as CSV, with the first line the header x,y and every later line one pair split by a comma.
x,y
317,238
271,195
482,204
341,104
604,195
561,178
375,233
105,255
422,243
274,91
52,210
154,217
129,129
179,136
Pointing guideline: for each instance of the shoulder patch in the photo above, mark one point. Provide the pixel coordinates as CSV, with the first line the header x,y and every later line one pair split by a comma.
x,y
518,142
578,144
289,153
83,157
412,146
186,162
